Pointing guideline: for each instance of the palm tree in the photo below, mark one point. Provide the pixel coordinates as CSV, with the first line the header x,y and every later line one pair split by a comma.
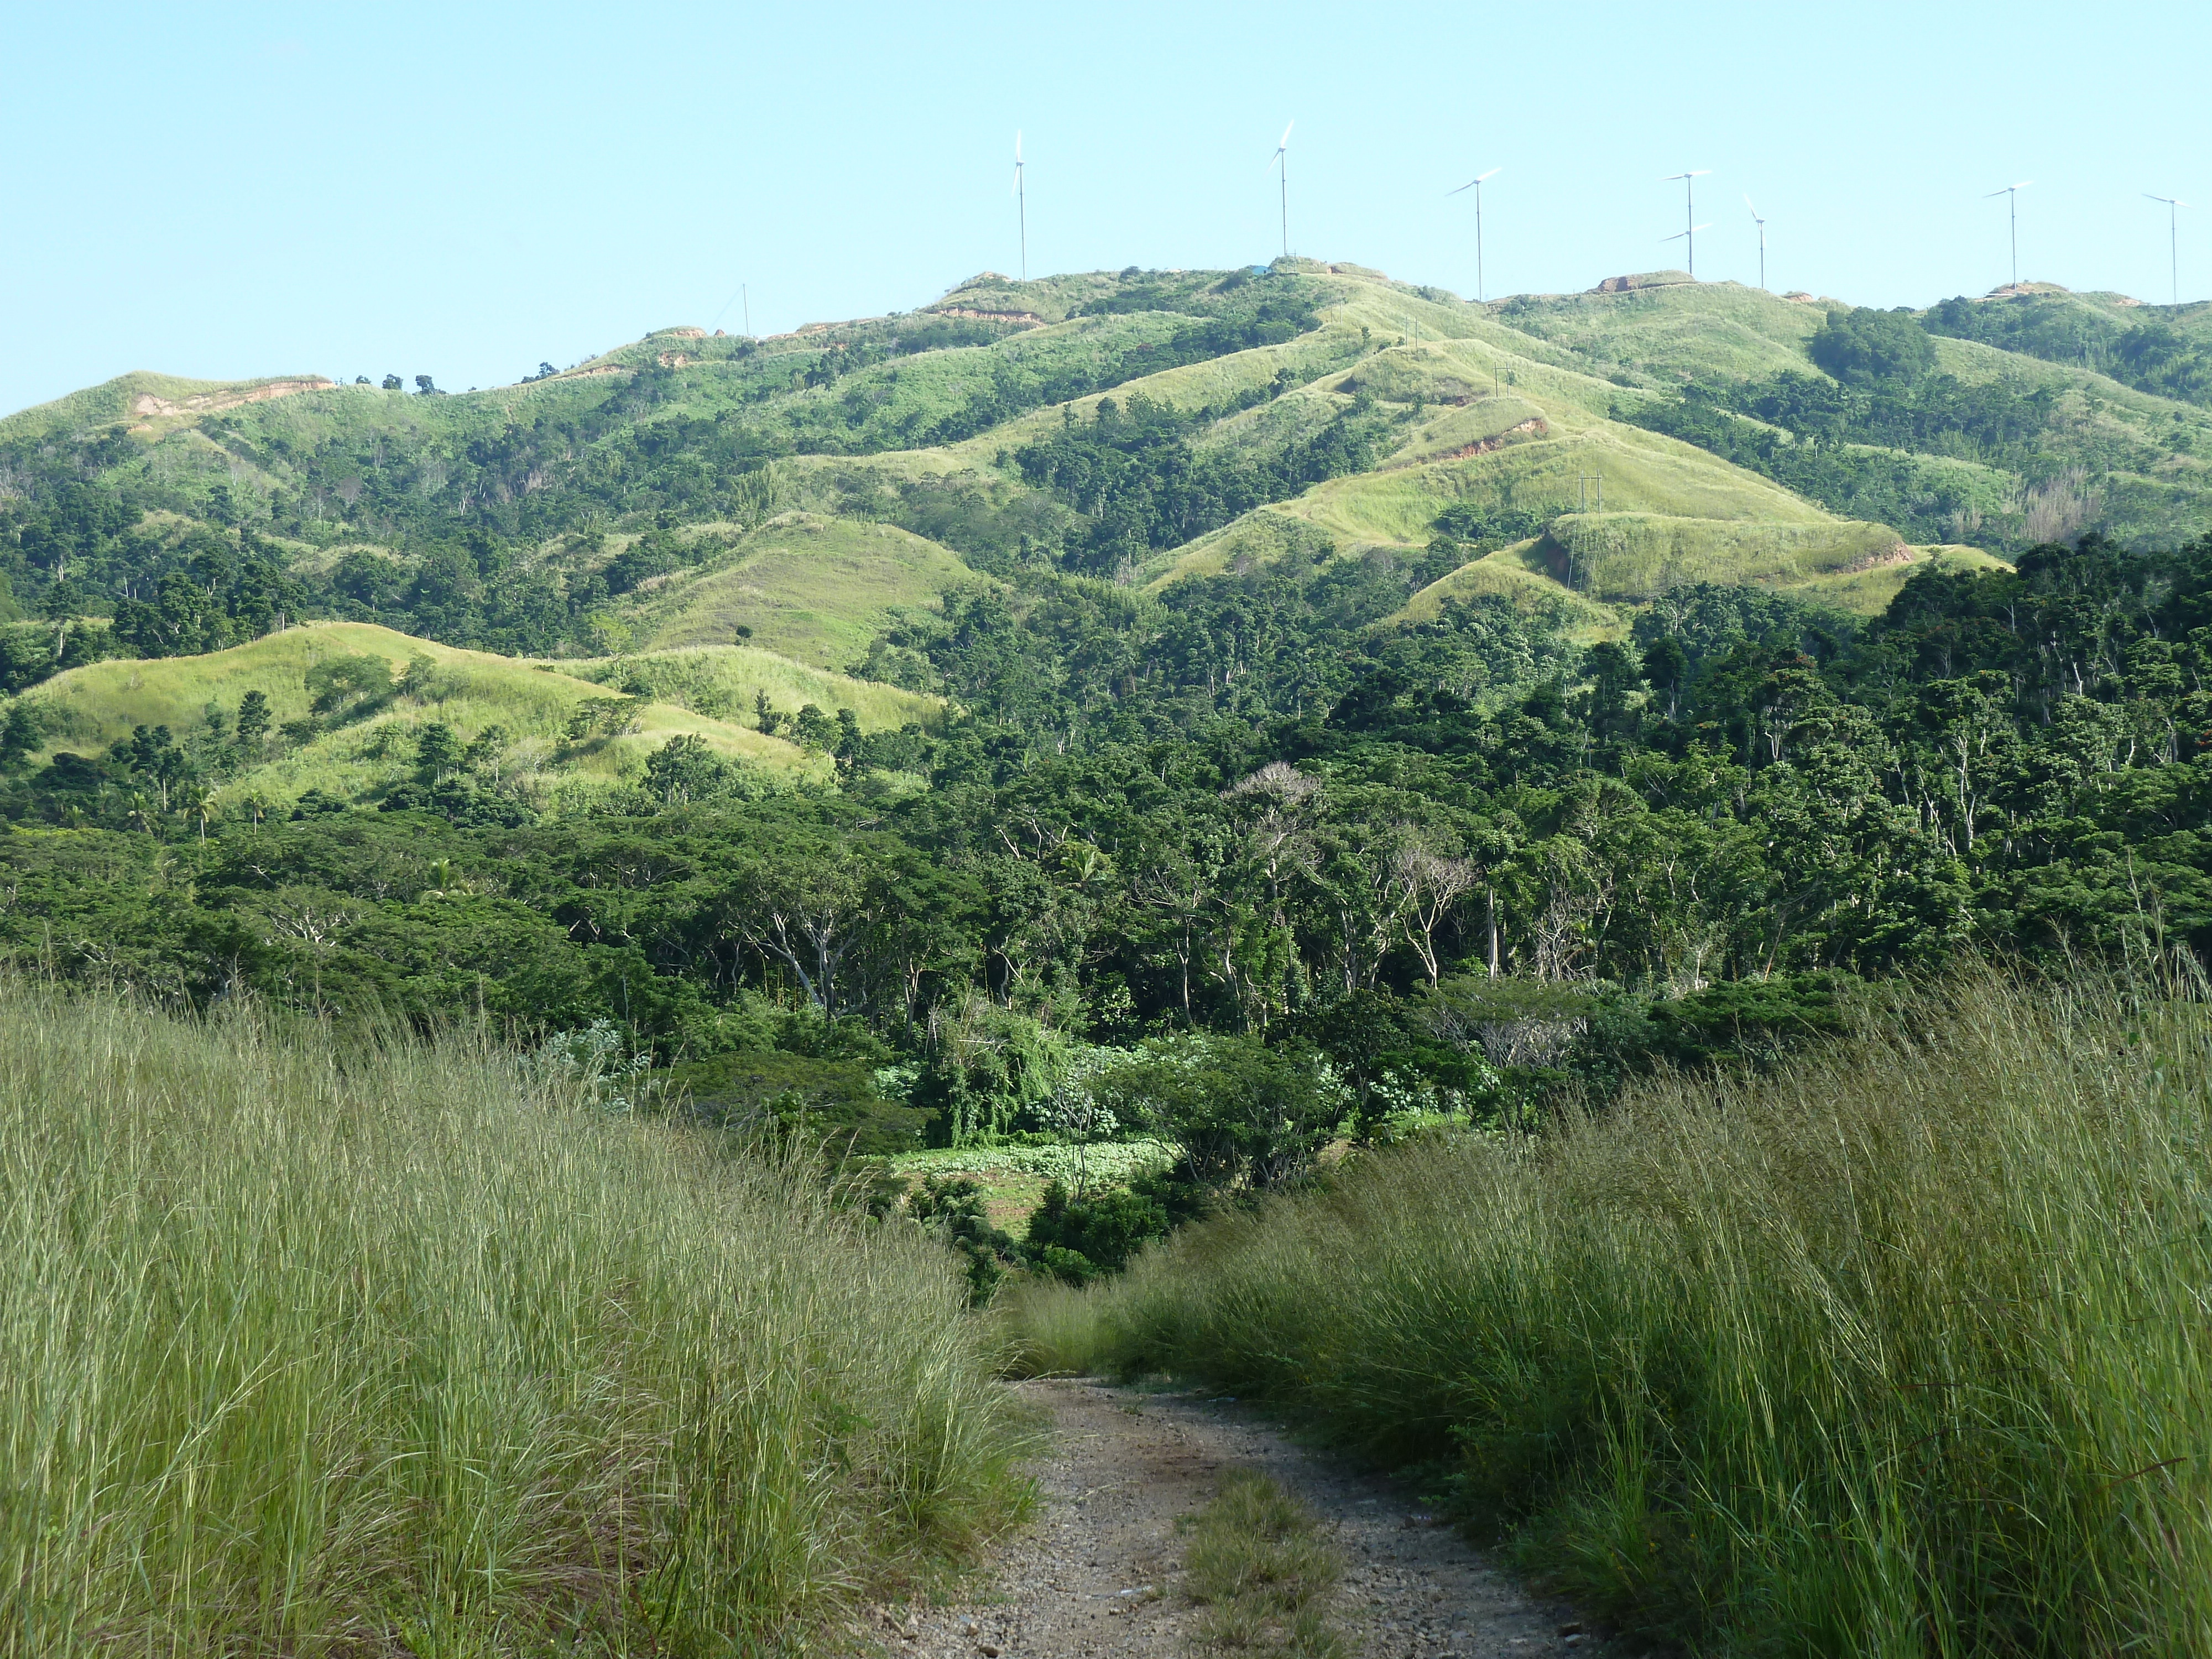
x,y
201,804
139,814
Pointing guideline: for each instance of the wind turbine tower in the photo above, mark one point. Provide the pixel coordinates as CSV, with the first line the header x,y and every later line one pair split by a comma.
x,y
2013,190
1282,160
1761,223
1476,184
1021,204
2173,237
1689,212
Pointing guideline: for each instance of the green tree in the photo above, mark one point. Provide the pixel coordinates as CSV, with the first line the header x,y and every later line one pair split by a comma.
x,y
20,734
348,686
1245,1116
437,750
685,771
1863,347
252,719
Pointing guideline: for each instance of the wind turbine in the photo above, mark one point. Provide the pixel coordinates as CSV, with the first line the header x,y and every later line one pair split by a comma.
x,y
1476,184
1282,159
2173,237
1689,212
1691,236
1021,198
733,299
1761,223
2013,191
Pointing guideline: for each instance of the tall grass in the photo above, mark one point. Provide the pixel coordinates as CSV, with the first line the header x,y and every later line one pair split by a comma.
x,y
1905,1351
305,1351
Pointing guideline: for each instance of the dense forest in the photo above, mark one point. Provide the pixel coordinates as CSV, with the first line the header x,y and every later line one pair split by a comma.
x,y
1243,809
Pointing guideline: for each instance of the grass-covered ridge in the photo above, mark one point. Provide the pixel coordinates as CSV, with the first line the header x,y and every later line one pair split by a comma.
x,y
1897,1351
420,1350
85,709
814,589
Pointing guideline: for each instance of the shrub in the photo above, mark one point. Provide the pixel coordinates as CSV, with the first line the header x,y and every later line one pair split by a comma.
x,y
1078,1239
1245,1116
951,1208
837,1101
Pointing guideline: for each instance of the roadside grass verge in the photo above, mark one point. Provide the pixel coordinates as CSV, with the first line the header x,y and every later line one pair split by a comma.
x,y
1257,1563
311,1350
1901,1350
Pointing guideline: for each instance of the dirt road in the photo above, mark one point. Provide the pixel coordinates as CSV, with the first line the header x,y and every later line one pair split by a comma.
x,y
1098,1572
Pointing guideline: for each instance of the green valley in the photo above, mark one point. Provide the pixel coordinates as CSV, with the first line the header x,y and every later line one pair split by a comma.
x,y
1099,805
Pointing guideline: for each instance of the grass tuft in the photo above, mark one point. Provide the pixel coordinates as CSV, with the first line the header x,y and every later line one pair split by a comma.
x,y
1257,1563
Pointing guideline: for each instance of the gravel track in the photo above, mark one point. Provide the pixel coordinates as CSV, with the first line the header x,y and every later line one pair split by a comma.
x,y
1098,1572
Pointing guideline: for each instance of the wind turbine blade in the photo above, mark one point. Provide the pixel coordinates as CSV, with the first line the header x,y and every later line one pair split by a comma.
x,y
1471,184
1492,173
1286,141
1699,173
1754,206
1018,147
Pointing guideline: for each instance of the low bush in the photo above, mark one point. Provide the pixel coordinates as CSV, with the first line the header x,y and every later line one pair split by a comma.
x,y
1093,1235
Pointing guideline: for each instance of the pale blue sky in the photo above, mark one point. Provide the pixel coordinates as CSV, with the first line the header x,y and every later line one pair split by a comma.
x,y
462,190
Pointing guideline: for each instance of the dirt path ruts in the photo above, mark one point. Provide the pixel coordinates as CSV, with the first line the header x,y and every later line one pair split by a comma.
x,y
1098,1572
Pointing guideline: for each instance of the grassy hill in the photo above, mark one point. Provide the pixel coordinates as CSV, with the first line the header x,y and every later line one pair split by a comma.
x,y
87,708
812,589
2021,432
815,487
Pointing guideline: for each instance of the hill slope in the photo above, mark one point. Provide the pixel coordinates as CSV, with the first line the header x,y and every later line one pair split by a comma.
x,y
823,487
813,589
369,745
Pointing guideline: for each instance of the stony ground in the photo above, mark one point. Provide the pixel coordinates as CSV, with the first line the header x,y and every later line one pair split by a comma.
x,y
1098,1572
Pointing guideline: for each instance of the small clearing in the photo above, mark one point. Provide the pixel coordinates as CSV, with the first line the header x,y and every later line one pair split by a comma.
x,y
1099,1571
